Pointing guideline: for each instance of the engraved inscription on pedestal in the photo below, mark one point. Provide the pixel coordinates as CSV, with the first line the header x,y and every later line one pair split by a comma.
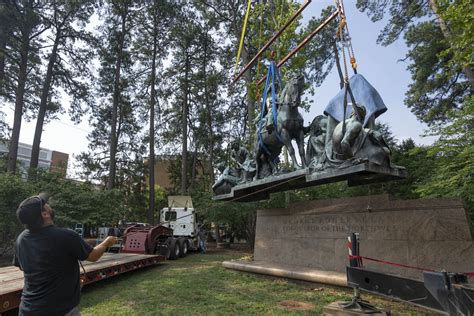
x,y
431,233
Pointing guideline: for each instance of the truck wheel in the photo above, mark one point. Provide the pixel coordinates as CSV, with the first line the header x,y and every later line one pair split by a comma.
x,y
183,243
174,248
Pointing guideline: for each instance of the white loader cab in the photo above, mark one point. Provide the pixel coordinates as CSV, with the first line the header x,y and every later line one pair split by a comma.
x,y
180,216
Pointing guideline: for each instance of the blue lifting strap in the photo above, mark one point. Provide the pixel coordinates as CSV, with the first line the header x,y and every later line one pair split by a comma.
x,y
272,73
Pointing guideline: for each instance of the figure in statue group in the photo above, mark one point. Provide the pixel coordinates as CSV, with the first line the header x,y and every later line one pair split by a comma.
x,y
350,143
228,178
288,126
353,139
343,137
244,161
241,169
315,152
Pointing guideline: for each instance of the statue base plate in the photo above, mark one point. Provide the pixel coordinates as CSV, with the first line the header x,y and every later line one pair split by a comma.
x,y
261,189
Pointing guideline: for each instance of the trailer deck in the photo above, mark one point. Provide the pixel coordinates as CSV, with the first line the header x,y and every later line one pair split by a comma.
x,y
111,264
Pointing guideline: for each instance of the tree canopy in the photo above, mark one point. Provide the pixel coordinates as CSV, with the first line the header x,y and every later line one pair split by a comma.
x,y
152,79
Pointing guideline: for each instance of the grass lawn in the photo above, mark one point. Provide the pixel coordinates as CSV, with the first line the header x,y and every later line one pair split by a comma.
x,y
199,285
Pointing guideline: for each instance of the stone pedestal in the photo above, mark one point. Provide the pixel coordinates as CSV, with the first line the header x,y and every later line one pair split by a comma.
x,y
428,233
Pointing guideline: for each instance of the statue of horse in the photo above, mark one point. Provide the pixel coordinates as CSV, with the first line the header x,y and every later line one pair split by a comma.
x,y
289,126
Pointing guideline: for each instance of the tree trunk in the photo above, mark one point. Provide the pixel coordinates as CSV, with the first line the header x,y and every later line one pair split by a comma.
x,y
184,129
116,96
211,144
209,120
5,28
3,45
447,34
151,160
193,168
43,103
19,95
250,102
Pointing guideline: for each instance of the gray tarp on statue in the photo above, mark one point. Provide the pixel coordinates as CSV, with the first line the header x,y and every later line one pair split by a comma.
x,y
364,94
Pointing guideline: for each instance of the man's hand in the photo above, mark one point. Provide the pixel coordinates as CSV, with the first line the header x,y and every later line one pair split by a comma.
x,y
99,250
110,241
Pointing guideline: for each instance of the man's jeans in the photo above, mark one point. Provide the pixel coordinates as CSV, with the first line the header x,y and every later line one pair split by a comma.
x,y
202,245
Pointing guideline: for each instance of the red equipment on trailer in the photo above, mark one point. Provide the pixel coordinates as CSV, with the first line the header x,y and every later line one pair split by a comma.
x,y
147,240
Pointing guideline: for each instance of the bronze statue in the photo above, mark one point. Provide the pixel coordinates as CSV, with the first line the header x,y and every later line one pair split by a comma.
x,y
289,126
229,177
342,138
315,153
244,161
353,143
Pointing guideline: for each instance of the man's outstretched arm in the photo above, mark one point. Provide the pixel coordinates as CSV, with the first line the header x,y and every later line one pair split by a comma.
x,y
99,250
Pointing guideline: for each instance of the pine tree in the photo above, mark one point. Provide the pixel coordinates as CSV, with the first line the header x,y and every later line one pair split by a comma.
x,y
21,65
179,85
68,63
116,143
153,26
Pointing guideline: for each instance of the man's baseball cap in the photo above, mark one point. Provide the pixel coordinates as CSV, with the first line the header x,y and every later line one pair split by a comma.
x,y
29,211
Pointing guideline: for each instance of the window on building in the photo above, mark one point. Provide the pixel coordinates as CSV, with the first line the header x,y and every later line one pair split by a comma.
x,y
24,151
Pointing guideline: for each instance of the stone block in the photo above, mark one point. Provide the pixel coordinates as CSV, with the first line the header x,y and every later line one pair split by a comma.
x,y
431,233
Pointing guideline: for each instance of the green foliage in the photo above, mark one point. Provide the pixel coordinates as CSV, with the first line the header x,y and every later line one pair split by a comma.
x,y
438,85
115,117
459,18
402,14
440,37
438,51
5,130
161,201
453,155
79,202
315,60
13,190
73,202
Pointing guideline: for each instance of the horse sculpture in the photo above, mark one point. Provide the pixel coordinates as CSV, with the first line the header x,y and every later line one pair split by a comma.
x,y
289,126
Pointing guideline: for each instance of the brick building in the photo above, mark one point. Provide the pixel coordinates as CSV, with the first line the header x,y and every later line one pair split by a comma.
x,y
162,175
53,161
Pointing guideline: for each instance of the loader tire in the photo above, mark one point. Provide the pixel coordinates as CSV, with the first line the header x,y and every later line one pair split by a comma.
x,y
175,250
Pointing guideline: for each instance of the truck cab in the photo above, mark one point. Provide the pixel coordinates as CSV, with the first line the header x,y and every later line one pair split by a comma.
x,y
180,216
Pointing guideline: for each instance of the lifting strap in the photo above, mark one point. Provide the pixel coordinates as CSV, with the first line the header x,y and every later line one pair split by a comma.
x,y
242,36
345,41
271,75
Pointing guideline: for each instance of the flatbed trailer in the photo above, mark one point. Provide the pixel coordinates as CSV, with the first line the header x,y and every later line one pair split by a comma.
x,y
111,264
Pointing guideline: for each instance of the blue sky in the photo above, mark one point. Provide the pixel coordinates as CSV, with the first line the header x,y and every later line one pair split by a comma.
x,y
379,65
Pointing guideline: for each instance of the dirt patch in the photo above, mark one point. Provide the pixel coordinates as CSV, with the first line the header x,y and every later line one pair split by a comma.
x,y
295,306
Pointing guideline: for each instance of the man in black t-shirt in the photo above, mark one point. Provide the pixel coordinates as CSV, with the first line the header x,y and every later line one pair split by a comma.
x,y
48,256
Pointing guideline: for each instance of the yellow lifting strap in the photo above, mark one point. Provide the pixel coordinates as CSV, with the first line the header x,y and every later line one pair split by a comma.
x,y
242,36
339,34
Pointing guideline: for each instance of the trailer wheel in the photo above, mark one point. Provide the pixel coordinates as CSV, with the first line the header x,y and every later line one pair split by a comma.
x,y
184,246
162,249
174,248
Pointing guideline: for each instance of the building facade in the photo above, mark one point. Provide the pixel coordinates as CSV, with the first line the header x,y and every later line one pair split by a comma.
x,y
53,161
